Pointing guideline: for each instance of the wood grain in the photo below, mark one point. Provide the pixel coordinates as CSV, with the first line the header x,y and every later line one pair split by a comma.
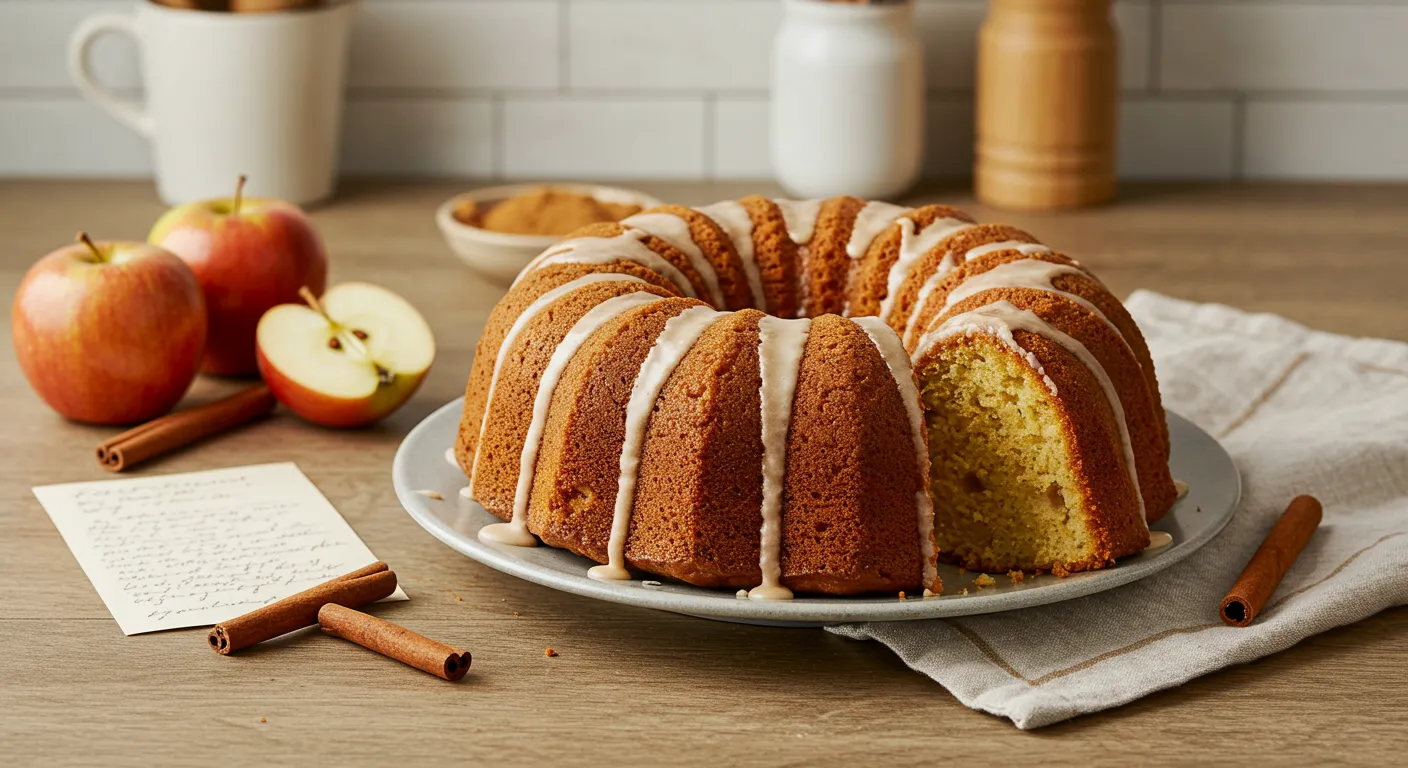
x,y
631,686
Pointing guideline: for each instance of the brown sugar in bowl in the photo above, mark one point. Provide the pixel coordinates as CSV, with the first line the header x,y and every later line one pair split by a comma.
x,y
498,257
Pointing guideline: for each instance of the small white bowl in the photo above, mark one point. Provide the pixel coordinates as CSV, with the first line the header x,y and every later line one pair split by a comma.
x,y
499,256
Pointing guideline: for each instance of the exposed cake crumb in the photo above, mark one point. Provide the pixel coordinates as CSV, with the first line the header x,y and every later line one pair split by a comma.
x,y
1017,577
1059,570
549,652
542,211
984,580
263,719
515,613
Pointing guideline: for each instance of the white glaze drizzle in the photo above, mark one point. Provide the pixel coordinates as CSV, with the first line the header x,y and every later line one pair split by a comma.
x,y
800,218
515,531
929,286
1027,249
1026,273
673,343
1000,319
1035,274
734,220
940,272
1158,540
913,247
870,222
780,345
892,350
519,323
675,231
604,250
1180,489
430,495
450,457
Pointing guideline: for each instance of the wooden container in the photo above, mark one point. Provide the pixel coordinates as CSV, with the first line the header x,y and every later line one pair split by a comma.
x,y
1047,101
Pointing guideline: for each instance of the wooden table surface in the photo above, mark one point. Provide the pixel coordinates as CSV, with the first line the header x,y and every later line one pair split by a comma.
x,y
632,686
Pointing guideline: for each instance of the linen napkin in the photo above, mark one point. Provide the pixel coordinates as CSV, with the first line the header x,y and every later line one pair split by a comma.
x,y
1300,411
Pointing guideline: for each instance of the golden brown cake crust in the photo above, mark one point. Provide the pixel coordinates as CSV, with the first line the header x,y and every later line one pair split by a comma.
x,y
952,252
775,254
501,318
575,482
510,410
656,244
716,246
697,515
870,285
828,267
849,519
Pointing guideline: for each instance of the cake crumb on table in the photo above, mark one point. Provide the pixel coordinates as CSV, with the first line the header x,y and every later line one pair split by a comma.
x,y
263,719
901,594
984,580
1016,576
549,652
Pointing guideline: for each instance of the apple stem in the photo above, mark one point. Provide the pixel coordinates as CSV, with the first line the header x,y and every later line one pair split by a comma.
x,y
97,254
239,195
307,295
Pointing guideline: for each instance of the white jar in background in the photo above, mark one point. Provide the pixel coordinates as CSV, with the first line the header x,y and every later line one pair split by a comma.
x,y
847,99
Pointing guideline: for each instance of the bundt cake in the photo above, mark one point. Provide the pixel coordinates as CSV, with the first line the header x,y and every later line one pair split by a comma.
x,y
822,396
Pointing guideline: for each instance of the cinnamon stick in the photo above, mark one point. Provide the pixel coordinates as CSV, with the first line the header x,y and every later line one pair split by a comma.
x,y
177,430
1271,561
362,586
394,641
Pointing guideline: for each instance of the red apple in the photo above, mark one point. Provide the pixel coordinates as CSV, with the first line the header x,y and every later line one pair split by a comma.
x,y
347,359
109,333
249,255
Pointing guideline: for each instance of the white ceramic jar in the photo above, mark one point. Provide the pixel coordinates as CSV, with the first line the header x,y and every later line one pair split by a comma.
x,y
847,99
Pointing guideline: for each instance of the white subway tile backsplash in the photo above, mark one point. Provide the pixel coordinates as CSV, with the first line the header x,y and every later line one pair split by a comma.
x,y
578,137
1134,22
1287,46
67,137
649,44
418,138
1177,139
1326,141
950,33
948,146
488,44
34,44
678,88
741,139
741,148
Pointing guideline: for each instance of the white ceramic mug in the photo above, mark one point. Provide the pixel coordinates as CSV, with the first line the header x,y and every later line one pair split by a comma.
x,y
258,94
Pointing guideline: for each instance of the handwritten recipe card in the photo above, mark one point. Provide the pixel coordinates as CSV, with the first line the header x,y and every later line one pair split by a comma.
x,y
193,549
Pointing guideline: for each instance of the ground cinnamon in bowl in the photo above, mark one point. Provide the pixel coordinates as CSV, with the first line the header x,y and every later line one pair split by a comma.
x,y
542,211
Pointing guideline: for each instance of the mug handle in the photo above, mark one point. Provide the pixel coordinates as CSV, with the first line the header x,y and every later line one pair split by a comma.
x,y
80,44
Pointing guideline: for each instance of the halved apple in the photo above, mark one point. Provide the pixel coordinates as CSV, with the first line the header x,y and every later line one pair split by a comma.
x,y
346,359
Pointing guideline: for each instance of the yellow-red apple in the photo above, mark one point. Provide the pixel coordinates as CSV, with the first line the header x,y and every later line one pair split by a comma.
x,y
347,359
109,332
249,254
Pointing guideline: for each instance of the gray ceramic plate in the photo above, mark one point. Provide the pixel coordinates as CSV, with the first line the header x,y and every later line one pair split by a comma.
x,y
421,465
